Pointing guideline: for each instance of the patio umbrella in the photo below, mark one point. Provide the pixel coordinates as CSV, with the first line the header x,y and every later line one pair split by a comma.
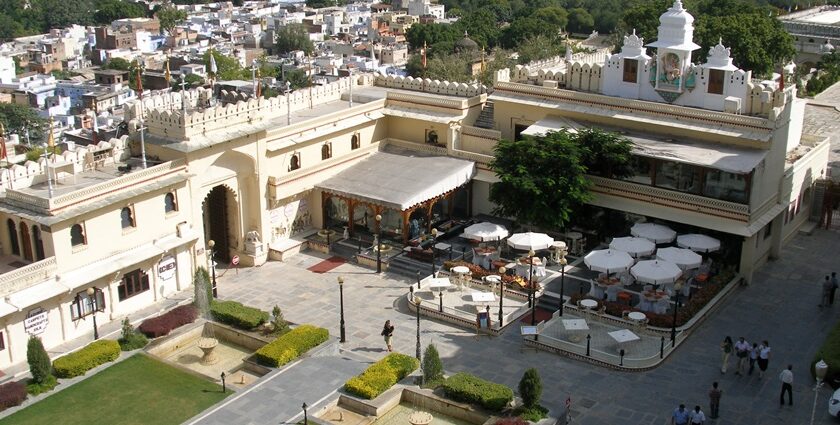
x,y
530,241
608,260
633,246
655,271
699,243
683,258
485,231
655,232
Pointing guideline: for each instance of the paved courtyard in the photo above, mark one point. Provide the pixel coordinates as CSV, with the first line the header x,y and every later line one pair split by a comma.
x,y
781,306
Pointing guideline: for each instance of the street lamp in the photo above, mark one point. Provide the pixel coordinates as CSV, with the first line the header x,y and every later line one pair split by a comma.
x,y
341,298
562,262
378,243
417,301
211,243
434,242
224,389
305,416
91,293
441,299
677,288
502,271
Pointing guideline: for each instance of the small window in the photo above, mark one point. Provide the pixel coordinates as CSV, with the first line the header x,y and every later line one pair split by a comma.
x,y
169,203
716,81
295,162
355,142
631,70
127,217
13,237
326,151
768,231
77,235
133,283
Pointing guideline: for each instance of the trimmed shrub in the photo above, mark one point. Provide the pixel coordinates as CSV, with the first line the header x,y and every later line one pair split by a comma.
x,y
237,315
131,339
202,286
530,388
432,366
39,362
472,389
291,345
94,354
12,394
36,388
165,323
279,325
381,375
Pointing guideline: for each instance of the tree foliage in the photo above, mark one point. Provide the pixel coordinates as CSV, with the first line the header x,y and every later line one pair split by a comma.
x,y
170,17
18,118
108,11
39,362
293,37
432,366
828,73
540,47
530,388
317,4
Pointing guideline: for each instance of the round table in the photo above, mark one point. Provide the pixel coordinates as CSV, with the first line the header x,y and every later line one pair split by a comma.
x,y
460,270
588,304
636,316
462,276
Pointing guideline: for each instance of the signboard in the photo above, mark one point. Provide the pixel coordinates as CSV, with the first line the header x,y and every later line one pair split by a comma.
x,y
483,319
528,330
235,260
167,268
36,321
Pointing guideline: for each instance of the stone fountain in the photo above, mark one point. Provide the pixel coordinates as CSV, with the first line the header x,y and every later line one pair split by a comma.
x,y
207,342
420,418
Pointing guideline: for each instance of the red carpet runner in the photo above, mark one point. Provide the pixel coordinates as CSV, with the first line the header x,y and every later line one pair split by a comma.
x,y
327,265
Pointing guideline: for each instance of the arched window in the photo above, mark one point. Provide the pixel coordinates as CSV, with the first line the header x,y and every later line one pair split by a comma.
x,y
13,236
326,151
127,217
77,235
355,142
169,204
431,137
25,242
38,242
295,162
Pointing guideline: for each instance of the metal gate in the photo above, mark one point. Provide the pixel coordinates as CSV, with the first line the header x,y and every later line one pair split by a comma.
x,y
827,203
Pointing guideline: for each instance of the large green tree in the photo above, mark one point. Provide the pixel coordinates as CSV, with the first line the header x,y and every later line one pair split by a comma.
x,y
431,34
170,17
18,118
605,154
108,11
293,37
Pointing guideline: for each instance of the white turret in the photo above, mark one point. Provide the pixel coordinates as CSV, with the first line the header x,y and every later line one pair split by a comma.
x,y
674,46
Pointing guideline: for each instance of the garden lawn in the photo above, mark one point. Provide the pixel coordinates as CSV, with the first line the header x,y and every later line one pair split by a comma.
x,y
139,390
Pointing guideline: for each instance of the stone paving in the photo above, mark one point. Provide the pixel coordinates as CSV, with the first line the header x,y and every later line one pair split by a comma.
x,y
781,306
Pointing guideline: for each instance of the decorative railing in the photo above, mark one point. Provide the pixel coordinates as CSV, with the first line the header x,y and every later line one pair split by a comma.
x,y
638,106
671,198
27,275
428,100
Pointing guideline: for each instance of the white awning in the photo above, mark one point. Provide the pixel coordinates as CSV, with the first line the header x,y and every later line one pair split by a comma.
x,y
420,114
36,294
325,130
6,309
721,157
549,124
400,179
109,266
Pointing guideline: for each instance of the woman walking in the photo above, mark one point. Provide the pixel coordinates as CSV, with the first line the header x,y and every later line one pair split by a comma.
x,y
753,358
726,349
763,358
388,333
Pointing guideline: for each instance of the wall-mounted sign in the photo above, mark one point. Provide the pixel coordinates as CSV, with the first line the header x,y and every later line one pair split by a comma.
x,y
167,268
36,321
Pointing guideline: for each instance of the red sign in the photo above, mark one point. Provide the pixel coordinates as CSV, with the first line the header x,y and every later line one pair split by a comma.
x,y
235,260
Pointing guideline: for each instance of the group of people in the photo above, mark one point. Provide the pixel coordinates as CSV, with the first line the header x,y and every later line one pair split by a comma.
x,y
747,354
829,288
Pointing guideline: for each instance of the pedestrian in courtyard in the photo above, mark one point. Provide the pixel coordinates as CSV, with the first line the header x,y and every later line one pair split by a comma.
x,y
742,351
763,358
697,416
680,416
787,385
753,357
388,333
726,351
714,400
834,284
826,291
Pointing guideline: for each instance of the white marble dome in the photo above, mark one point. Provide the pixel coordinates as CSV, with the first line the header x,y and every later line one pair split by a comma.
x,y
676,16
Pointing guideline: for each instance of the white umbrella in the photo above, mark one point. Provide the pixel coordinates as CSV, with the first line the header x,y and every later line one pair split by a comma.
x,y
655,271
633,246
608,260
485,231
530,241
683,258
699,243
655,232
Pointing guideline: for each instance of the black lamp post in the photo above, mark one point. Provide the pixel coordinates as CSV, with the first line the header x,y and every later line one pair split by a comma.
x,y
441,300
677,290
305,416
224,389
211,243
91,292
417,301
341,298
502,271
562,255
434,242
378,243
530,276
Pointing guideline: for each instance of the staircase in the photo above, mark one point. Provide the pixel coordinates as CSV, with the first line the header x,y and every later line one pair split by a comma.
x,y
485,118
409,267
347,249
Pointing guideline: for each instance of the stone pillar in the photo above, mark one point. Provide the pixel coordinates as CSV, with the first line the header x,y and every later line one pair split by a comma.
x,y
746,267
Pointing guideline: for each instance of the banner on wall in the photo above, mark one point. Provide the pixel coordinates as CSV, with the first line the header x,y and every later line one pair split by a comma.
x,y
36,321
167,268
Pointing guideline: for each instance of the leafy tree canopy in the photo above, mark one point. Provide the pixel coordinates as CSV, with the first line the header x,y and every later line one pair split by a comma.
x,y
170,17
17,118
108,11
293,37
325,3
119,64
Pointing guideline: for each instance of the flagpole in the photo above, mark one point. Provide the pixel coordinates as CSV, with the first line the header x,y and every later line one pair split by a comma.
x,y
50,146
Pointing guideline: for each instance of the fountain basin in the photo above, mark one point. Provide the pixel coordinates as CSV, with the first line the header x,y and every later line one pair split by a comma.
x,y
400,406
208,347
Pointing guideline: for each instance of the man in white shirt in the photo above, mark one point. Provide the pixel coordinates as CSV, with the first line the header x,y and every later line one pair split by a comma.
x,y
697,416
742,350
787,385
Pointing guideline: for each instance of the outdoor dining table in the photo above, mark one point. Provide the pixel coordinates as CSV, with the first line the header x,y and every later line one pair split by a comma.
x,y
602,285
462,270
636,316
622,337
650,300
576,328
493,280
439,284
483,257
588,304
482,297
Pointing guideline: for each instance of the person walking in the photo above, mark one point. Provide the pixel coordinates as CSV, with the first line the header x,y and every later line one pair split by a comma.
x,y
833,288
787,385
753,357
726,350
742,351
763,358
697,416
680,416
714,400
826,292
388,333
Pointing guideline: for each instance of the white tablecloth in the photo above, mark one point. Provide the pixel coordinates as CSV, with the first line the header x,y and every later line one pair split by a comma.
x,y
623,336
483,297
439,283
575,324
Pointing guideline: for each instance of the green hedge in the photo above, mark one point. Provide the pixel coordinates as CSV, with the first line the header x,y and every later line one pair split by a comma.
x,y
472,389
381,375
79,362
291,345
238,315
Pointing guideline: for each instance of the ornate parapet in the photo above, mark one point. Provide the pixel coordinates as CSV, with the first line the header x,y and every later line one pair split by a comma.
x,y
26,276
430,86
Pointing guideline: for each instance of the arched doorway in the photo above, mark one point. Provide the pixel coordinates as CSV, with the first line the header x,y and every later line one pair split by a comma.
x,y
25,242
38,242
218,220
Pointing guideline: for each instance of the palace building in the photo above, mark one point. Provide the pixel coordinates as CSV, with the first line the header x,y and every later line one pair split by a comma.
x,y
714,150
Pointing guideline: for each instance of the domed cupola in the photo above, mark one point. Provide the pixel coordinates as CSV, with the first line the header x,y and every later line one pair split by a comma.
x,y
674,46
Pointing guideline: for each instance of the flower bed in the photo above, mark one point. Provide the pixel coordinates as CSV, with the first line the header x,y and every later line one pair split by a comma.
x,y
516,283
472,389
92,355
381,375
291,345
237,315
165,323
12,394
